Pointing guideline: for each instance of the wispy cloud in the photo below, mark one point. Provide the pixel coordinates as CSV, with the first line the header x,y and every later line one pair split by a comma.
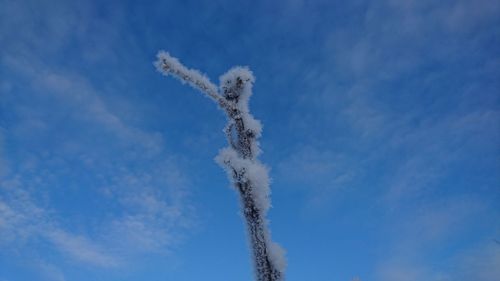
x,y
21,221
51,272
317,172
437,228
77,175
405,108
147,209
383,98
478,264
81,249
147,219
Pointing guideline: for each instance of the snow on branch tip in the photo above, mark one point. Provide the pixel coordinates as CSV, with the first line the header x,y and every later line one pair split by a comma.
x,y
240,160
168,65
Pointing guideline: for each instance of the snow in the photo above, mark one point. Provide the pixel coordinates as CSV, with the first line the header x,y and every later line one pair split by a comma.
x,y
168,65
252,171
277,255
252,124
257,174
240,158
228,81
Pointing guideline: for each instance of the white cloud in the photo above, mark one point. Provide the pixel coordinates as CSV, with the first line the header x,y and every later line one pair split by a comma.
x,y
416,237
148,207
3,159
74,143
81,249
21,221
50,272
481,263
319,173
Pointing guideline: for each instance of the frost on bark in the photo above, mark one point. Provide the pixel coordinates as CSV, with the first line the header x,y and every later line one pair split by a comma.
x,y
239,159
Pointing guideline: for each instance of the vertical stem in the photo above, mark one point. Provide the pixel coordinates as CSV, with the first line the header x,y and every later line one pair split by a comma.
x,y
243,142
256,225
265,269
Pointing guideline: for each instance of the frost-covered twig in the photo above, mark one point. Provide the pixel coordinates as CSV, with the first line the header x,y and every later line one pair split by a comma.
x,y
167,64
248,175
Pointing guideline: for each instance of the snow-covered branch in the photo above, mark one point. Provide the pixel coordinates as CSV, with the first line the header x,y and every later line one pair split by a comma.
x,y
249,171
247,174
169,65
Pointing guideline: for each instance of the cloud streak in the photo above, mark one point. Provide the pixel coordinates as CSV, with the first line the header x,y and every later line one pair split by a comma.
x,y
73,172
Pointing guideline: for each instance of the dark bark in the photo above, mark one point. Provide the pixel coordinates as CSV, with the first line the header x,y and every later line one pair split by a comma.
x,y
256,225
242,140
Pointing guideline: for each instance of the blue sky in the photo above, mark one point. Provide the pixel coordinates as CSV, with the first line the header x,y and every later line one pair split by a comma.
x,y
381,129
